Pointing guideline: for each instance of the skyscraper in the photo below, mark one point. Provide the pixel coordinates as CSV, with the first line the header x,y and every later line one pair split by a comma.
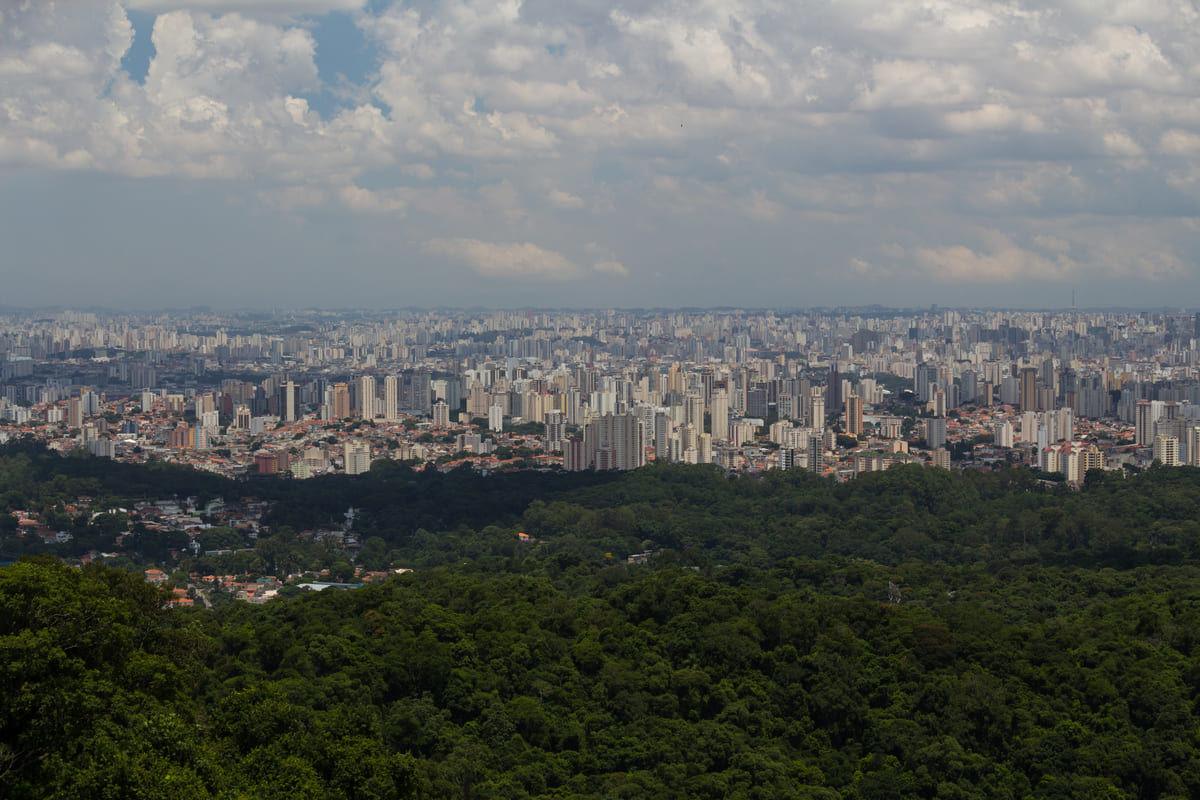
x,y
615,440
854,415
693,408
1144,417
422,401
441,414
816,419
74,413
366,396
1029,389
935,432
391,398
341,401
289,401
720,415
1166,450
1002,434
926,374
663,428
358,457
833,390
555,431
627,442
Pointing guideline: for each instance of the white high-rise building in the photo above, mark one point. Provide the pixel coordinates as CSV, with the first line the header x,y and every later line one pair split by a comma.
x,y
627,442
693,410
366,396
616,441
391,398
1029,427
1166,450
816,453
816,418
556,430
1145,414
289,401
441,414
720,416
358,457
1003,434
663,428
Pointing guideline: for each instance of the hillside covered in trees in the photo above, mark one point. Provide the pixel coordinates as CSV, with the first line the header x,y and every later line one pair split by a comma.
x,y
1044,643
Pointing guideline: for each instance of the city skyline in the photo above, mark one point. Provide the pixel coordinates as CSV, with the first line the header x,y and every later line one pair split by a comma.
x,y
308,394
376,154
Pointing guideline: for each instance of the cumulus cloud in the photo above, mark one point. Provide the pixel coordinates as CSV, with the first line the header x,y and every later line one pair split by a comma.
x,y
505,260
761,207
1004,264
277,9
611,268
566,200
1180,143
392,201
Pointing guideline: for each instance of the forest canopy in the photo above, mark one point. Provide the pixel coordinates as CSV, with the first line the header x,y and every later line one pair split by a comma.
x,y
910,634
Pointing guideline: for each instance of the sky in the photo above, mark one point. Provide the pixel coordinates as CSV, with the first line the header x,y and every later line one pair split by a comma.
x,y
599,153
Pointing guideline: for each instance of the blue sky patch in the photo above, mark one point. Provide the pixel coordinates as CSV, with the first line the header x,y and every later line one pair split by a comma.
x,y
346,60
136,61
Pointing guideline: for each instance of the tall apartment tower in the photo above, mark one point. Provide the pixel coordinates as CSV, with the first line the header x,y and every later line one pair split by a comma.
x,y
422,402
663,428
441,414
1029,389
833,390
341,401
1143,423
358,457
74,413
720,415
926,374
693,410
366,396
1166,450
1002,434
391,398
555,431
289,401
854,415
626,438
816,419
816,453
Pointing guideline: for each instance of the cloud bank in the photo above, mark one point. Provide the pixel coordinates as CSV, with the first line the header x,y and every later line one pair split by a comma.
x,y
733,144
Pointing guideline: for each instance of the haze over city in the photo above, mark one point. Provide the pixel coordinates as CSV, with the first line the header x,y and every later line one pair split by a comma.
x,y
734,152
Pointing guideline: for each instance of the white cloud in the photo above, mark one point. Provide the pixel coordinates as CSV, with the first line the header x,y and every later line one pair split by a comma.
x,y
918,83
1179,143
611,268
760,207
565,200
505,260
392,201
273,9
857,123
992,118
604,260
1119,143
1003,262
